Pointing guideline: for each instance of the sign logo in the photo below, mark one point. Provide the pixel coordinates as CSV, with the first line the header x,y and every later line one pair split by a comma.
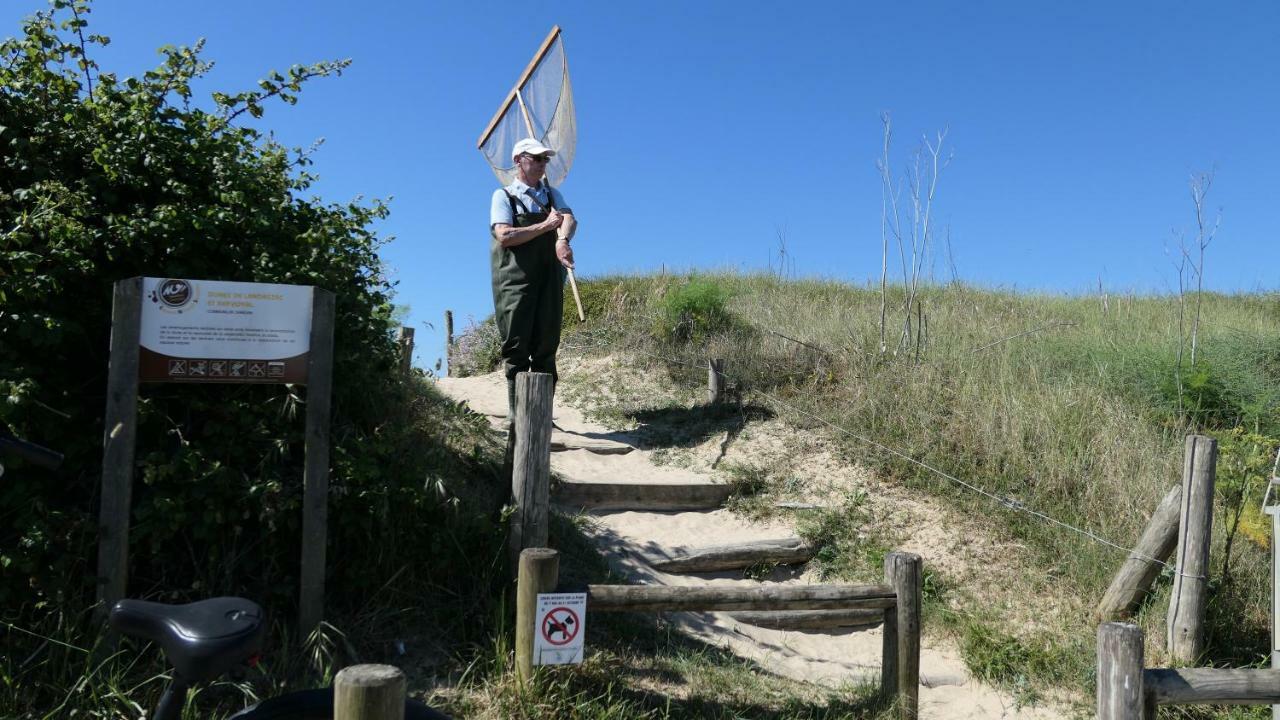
x,y
560,626
174,295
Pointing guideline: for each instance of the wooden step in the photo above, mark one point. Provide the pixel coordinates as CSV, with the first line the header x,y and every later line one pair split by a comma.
x,y
562,441
780,551
640,496
810,619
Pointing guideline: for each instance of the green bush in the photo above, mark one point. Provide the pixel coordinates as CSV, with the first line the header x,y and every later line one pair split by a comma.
x,y
478,350
596,297
134,178
693,311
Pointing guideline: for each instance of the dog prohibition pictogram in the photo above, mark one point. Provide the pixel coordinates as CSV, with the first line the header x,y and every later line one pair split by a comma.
x,y
560,626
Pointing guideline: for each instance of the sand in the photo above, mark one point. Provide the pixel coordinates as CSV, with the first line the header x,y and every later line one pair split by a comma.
x,y
589,452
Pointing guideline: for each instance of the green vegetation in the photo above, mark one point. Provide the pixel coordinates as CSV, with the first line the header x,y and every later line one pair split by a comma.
x,y
137,176
105,177
693,310
1073,406
1070,406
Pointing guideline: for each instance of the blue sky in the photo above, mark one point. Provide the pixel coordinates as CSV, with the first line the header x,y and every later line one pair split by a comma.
x,y
708,129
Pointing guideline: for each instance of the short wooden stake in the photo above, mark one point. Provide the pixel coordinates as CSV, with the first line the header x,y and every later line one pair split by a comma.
x,y
369,692
715,380
448,343
1143,565
901,673
531,469
539,573
404,343
118,444
1187,602
1120,658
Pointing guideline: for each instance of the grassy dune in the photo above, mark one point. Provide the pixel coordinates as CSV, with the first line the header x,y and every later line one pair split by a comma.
x,y
1072,406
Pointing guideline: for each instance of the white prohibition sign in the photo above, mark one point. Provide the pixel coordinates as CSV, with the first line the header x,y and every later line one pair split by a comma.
x,y
558,636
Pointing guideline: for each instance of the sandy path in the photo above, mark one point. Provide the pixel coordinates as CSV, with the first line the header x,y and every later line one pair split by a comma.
x,y
630,540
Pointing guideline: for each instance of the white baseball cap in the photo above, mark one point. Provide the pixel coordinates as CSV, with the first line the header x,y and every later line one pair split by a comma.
x,y
532,147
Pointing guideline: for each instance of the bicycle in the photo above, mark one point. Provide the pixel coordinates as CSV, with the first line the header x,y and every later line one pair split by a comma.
x,y
32,453
204,640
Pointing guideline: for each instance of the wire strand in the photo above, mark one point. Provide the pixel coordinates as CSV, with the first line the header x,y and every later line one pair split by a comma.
x,y
1009,503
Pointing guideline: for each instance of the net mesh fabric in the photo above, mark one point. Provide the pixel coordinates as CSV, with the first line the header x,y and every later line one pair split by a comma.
x,y
548,98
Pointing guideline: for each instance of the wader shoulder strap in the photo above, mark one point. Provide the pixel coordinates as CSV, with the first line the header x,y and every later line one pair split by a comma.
x,y
514,202
551,202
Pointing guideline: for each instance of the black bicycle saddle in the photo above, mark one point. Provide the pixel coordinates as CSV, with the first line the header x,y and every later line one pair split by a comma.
x,y
202,640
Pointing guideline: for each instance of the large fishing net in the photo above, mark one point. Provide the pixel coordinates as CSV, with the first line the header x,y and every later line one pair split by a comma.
x,y
546,113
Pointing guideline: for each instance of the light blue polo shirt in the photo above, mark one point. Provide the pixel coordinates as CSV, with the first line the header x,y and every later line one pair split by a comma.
x,y
534,198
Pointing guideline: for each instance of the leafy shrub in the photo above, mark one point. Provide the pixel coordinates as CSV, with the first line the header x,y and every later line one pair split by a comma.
x,y
596,300
135,178
478,350
693,311
1245,463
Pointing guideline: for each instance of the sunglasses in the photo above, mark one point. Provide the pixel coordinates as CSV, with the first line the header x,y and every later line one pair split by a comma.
x,y
539,158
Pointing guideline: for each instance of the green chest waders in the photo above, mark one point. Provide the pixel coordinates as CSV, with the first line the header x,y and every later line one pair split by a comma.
x,y
528,299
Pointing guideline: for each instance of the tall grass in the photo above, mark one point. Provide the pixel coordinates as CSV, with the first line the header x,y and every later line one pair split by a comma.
x,y
1068,405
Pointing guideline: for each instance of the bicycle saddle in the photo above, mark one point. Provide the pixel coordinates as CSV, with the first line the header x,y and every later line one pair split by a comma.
x,y
202,640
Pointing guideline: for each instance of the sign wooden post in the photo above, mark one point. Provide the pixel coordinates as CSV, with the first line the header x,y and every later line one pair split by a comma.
x,y
315,479
175,330
118,439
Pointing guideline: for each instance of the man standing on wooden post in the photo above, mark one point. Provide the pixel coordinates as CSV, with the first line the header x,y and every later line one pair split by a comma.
x,y
531,227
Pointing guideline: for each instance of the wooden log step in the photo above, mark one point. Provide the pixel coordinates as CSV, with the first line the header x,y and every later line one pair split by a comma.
x,y
781,551
641,496
561,441
1234,686
683,598
810,619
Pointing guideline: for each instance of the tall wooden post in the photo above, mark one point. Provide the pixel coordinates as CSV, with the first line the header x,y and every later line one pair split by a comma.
x,y
1187,602
369,692
1143,564
448,343
118,444
1121,695
715,380
531,470
538,573
900,676
315,474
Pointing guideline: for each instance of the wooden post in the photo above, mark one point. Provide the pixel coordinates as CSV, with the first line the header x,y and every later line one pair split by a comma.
x,y
118,438
889,640
404,341
715,380
369,692
1187,603
902,571
1143,565
448,343
1120,690
531,470
539,572
315,474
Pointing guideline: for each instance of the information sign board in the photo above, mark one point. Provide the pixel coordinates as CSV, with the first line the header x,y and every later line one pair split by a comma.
x,y
214,331
558,637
